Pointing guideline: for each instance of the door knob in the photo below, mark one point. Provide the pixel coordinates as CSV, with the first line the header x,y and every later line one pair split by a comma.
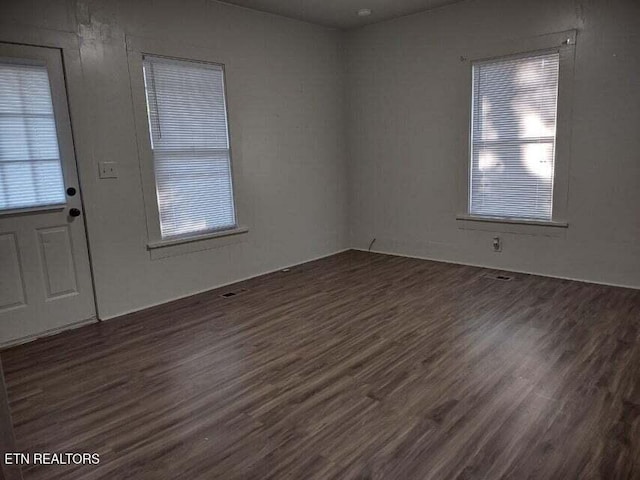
x,y
75,212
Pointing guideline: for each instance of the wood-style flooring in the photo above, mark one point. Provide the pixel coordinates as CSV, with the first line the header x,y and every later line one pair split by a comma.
x,y
357,366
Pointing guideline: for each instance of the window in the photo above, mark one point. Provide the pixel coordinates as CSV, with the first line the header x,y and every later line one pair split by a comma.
x,y
513,137
30,169
187,117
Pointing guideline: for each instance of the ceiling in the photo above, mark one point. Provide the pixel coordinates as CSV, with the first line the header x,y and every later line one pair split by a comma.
x,y
341,13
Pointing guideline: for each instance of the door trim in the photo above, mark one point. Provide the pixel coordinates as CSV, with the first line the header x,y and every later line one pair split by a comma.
x,y
47,333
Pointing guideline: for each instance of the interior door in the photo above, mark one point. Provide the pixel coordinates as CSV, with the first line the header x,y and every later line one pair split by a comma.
x,y
45,278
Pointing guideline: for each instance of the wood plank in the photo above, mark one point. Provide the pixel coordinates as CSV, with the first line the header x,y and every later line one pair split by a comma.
x,y
7,440
354,366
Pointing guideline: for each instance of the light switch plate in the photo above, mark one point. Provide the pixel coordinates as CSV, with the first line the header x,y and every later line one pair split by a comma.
x,y
108,169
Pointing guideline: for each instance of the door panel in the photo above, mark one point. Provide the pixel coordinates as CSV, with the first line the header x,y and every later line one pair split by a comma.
x,y
45,276
11,285
57,261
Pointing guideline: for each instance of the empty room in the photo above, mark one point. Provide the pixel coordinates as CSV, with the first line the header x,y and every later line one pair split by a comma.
x,y
302,239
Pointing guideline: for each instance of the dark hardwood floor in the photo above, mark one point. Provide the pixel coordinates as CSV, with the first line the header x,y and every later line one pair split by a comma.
x,y
356,366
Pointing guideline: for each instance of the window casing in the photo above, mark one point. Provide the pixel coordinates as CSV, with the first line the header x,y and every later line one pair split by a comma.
x,y
513,137
30,166
189,137
562,44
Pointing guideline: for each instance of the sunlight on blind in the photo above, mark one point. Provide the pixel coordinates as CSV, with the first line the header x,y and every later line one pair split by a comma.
x,y
30,170
513,137
190,142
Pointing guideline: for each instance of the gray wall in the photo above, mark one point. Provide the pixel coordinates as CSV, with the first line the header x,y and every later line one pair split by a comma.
x,y
285,105
326,164
408,124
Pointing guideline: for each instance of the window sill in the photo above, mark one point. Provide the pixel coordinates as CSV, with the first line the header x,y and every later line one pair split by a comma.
x,y
38,209
196,238
512,221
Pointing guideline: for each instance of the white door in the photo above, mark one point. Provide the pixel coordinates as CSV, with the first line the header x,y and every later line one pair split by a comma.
x,y
45,279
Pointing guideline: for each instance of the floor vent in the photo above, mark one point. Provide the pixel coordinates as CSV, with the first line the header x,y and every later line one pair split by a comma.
x,y
233,294
502,278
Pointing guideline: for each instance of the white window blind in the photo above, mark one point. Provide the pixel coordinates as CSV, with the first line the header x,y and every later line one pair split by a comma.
x,y
513,137
190,142
30,170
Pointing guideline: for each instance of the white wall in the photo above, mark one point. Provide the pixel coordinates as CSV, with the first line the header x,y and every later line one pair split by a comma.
x,y
408,124
404,111
286,115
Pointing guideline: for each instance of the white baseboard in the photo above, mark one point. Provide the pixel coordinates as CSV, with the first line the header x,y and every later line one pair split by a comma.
x,y
46,333
53,331
539,274
243,279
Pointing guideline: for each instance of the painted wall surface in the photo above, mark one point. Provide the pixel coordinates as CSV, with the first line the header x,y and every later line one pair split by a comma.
x,y
325,164
408,132
285,89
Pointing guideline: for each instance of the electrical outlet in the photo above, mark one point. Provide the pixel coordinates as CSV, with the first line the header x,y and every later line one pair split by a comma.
x,y
108,169
497,244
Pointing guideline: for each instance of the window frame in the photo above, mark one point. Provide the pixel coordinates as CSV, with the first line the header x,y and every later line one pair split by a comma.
x,y
564,44
47,57
137,48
